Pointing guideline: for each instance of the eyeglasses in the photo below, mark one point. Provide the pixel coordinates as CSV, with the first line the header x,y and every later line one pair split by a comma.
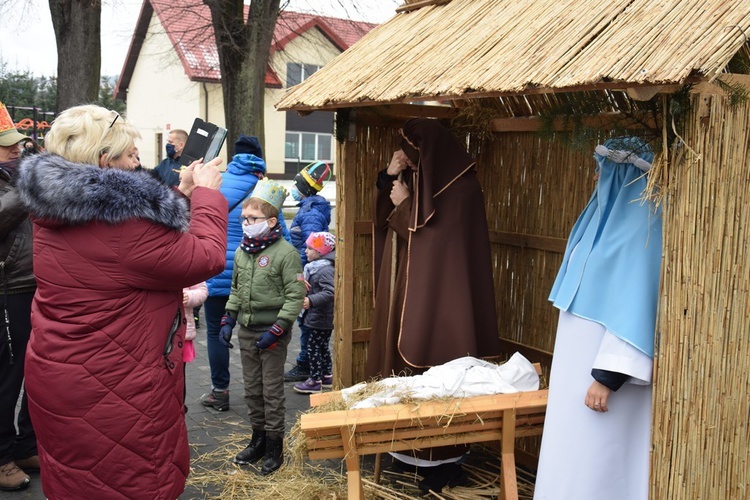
x,y
250,220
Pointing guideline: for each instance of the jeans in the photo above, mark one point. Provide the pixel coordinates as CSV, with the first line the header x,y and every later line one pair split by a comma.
x,y
303,358
218,355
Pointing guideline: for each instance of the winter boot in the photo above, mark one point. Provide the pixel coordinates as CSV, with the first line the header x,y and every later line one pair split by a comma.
x,y
254,451
274,453
309,386
12,478
218,400
300,372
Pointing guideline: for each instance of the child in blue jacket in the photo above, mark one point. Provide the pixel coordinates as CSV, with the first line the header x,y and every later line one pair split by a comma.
x,y
313,215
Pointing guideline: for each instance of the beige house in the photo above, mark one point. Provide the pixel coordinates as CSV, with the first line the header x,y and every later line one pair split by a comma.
x,y
171,76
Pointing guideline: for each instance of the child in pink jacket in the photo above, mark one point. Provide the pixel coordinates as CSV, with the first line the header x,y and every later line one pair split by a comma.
x,y
192,297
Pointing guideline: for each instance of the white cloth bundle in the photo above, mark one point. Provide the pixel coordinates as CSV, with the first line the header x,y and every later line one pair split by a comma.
x,y
461,378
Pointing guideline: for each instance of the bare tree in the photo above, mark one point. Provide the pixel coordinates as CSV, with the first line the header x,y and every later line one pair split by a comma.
x,y
77,25
243,47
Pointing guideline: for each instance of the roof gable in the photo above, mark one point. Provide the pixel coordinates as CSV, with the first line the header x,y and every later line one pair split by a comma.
x,y
474,48
187,23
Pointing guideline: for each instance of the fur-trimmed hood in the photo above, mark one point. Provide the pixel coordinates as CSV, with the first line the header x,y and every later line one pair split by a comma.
x,y
61,192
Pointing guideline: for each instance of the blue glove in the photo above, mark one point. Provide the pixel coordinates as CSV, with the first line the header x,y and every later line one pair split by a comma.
x,y
225,332
269,339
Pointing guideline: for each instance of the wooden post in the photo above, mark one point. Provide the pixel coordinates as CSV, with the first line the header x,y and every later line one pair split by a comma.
x,y
344,301
353,474
507,446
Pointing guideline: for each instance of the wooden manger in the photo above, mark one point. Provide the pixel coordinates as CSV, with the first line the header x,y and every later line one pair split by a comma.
x,y
350,434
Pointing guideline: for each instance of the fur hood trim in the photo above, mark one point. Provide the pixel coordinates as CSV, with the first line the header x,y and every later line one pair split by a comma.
x,y
74,194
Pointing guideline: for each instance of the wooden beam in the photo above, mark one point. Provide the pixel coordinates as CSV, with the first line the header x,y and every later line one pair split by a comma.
x,y
533,354
549,243
401,110
361,335
603,121
537,242
613,86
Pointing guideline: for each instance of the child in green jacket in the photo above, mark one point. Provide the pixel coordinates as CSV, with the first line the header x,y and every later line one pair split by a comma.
x,y
266,296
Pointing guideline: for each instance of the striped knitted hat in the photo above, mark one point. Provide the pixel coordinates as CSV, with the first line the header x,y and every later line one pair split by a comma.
x,y
309,180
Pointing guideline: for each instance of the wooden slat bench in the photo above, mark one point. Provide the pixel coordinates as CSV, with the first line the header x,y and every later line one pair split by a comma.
x,y
350,434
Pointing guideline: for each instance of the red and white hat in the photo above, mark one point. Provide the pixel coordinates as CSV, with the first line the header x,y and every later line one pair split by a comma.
x,y
322,242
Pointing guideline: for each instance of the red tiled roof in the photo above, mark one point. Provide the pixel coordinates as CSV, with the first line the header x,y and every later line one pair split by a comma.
x,y
188,26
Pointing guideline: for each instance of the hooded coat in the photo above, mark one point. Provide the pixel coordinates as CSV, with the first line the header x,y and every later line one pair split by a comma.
x,y
112,252
434,298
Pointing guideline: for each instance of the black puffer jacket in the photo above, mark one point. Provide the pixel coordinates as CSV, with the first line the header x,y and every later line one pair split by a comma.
x,y
15,238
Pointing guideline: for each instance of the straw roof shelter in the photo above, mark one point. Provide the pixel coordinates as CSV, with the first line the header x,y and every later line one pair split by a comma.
x,y
501,71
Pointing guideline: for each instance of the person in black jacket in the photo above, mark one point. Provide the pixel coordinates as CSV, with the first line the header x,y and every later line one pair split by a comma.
x,y
18,453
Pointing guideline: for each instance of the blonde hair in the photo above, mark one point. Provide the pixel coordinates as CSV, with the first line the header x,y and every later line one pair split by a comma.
x,y
83,134
265,208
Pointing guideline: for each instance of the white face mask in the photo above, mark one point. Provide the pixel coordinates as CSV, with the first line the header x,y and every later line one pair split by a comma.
x,y
255,230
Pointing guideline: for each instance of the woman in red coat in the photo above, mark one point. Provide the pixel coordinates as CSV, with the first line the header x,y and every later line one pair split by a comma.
x,y
113,249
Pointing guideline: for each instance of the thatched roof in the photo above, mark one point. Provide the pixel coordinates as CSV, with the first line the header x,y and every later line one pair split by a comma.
x,y
474,48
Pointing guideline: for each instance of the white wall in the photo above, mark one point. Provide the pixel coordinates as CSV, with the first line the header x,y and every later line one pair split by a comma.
x,y
162,98
311,47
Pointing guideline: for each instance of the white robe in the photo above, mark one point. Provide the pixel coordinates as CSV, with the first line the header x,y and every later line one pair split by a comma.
x,y
587,454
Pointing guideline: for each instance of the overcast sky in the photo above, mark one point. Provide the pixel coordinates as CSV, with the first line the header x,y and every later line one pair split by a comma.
x,y
27,40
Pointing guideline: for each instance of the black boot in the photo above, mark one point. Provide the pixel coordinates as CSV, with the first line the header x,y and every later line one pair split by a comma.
x,y
255,450
274,454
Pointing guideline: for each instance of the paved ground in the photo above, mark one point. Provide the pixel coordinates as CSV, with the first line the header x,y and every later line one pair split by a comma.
x,y
206,427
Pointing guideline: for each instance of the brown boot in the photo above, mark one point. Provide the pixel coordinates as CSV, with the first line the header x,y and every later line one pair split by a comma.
x,y
12,478
30,464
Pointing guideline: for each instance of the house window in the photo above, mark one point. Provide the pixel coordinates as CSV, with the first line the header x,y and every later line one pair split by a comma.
x,y
308,146
297,73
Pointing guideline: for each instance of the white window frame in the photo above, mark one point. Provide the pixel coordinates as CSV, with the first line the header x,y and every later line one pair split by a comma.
x,y
317,146
304,75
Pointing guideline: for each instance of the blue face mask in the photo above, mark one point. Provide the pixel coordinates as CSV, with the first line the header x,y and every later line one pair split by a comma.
x,y
170,150
296,194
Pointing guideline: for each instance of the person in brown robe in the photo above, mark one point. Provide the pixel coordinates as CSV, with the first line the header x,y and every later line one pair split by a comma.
x,y
434,293
442,302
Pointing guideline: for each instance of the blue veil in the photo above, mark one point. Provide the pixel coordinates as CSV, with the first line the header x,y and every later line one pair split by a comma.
x,y
611,268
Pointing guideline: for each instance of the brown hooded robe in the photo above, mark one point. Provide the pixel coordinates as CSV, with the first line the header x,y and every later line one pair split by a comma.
x,y
442,306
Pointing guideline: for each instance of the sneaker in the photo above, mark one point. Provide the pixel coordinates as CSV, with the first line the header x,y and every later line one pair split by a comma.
x,y
297,374
12,478
327,381
30,464
309,386
218,400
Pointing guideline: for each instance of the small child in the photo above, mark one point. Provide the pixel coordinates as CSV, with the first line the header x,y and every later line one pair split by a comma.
x,y
266,295
192,297
317,313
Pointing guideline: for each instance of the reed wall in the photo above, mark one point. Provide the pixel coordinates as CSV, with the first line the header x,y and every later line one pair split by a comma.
x,y
701,438
534,190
